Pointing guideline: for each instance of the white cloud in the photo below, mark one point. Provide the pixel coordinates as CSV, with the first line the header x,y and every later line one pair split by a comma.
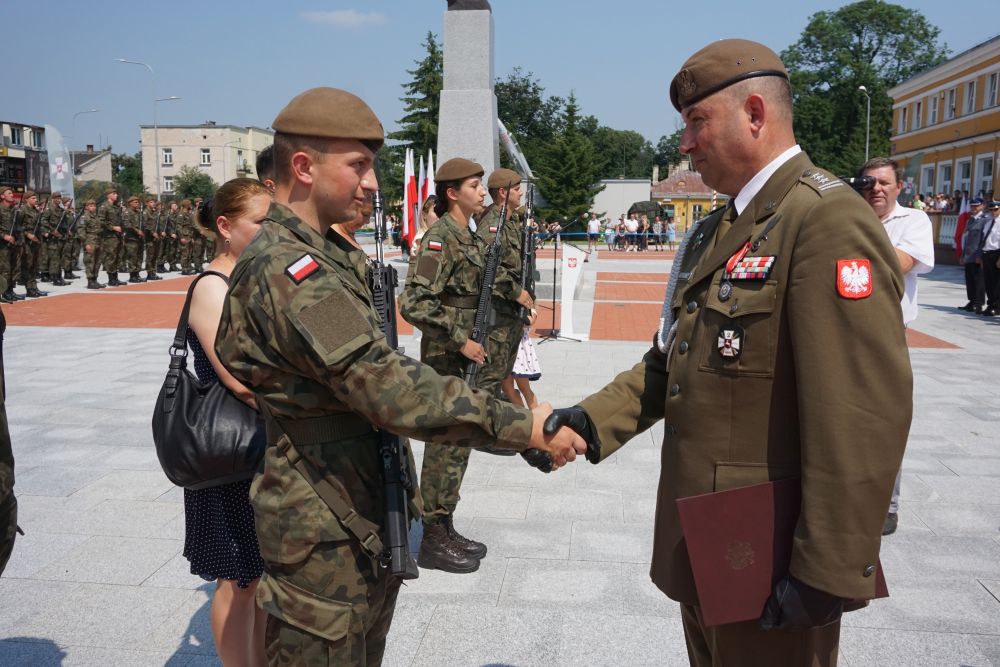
x,y
345,18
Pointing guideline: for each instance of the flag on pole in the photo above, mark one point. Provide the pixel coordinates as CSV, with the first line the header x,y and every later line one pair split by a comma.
x,y
410,203
421,189
60,164
429,183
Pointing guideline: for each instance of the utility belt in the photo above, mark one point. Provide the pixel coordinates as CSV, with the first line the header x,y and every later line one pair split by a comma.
x,y
288,434
470,302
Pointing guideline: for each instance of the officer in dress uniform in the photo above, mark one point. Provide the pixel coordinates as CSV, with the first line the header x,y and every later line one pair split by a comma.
x,y
782,355
440,299
300,329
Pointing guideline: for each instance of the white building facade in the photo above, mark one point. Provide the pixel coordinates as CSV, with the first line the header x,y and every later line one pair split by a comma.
x,y
224,152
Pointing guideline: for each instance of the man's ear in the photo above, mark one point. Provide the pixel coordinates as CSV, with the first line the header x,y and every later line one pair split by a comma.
x,y
756,110
301,166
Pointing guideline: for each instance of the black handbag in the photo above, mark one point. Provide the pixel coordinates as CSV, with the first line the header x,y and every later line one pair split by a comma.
x,y
204,435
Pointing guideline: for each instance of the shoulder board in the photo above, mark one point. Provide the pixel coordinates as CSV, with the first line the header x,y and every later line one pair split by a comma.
x,y
302,268
821,181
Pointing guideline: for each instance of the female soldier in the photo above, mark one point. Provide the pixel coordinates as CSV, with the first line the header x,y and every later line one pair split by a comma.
x,y
440,299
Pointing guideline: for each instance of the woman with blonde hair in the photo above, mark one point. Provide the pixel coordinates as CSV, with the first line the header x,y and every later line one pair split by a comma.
x,y
220,540
427,217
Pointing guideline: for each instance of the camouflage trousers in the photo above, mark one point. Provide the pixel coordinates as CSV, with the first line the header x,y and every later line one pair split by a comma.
x,y
29,264
132,255
501,351
6,270
92,259
332,609
153,249
443,466
111,250
185,252
53,264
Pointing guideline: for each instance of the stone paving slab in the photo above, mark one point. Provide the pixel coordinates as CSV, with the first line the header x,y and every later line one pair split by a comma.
x,y
99,579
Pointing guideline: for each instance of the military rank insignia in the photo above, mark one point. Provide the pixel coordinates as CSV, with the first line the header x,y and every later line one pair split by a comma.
x,y
854,278
302,268
434,245
730,341
750,268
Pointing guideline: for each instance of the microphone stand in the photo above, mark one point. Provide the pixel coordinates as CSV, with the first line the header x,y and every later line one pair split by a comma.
x,y
553,333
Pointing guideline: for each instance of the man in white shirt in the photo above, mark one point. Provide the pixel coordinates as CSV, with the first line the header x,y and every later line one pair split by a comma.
x,y
912,236
631,227
990,257
593,233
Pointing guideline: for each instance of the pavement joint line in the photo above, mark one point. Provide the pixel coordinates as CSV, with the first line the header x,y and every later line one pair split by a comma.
x,y
992,595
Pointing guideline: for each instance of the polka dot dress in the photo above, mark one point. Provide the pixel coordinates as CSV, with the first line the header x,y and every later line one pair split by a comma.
x,y
220,540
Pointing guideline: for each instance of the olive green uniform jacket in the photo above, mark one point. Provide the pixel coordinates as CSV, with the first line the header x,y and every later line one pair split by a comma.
x,y
822,389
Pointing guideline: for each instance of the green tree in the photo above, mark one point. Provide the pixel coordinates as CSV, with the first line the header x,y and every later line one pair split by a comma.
x,y
621,153
85,190
668,151
869,43
567,171
422,101
126,172
527,113
191,182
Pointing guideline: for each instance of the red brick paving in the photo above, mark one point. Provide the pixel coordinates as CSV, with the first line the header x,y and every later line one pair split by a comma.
x,y
626,277
115,311
610,291
918,339
625,321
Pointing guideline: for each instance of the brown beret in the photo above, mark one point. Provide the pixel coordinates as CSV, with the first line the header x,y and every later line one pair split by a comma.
x,y
89,202
4,191
186,202
57,195
719,65
110,191
132,199
503,178
458,169
29,194
331,113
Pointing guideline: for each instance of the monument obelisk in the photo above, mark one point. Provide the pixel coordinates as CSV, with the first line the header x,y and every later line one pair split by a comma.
x,y
467,126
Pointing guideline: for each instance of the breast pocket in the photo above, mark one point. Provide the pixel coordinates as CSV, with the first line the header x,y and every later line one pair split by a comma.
x,y
740,328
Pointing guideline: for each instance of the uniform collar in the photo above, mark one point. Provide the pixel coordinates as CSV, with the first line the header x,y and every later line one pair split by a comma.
x,y
285,217
755,184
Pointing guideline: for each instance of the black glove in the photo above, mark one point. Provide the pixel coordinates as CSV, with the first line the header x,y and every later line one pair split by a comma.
x,y
795,605
577,419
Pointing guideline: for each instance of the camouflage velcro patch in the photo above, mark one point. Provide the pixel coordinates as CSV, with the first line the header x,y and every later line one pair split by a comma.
x,y
427,267
333,322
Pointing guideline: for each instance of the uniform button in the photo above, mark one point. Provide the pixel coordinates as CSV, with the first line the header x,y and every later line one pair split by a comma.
x,y
675,389
733,308
693,306
683,347
870,570
671,430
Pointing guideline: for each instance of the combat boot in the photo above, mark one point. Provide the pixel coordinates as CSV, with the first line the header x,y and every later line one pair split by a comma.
x,y
471,547
93,284
439,552
44,277
136,278
59,282
34,293
152,276
69,275
7,297
113,280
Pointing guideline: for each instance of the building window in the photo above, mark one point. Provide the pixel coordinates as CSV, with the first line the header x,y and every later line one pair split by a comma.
x,y
168,183
964,169
970,97
916,115
36,139
17,136
902,120
206,156
927,181
932,107
944,179
991,90
949,108
984,175
168,157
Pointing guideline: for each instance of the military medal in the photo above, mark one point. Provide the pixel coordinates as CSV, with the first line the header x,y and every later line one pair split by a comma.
x,y
725,290
730,341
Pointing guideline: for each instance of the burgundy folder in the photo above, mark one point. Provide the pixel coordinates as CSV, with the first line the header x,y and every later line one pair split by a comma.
x,y
740,542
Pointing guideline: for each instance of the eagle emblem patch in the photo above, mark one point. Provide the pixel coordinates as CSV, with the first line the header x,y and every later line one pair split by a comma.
x,y
854,278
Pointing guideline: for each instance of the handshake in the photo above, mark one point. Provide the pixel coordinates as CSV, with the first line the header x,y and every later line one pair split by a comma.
x,y
559,435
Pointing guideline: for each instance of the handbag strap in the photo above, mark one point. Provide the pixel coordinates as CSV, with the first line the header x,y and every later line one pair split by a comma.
x,y
180,336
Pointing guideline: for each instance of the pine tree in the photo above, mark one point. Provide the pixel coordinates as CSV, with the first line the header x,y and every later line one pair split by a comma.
x,y
567,171
422,101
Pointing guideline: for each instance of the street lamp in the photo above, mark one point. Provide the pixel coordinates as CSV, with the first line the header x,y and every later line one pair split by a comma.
x,y
156,133
868,118
72,159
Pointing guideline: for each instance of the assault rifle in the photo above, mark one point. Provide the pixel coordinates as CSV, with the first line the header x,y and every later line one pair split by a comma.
x,y
62,216
156,222
528,253
394,451
38,220
484,310
76,220
15,222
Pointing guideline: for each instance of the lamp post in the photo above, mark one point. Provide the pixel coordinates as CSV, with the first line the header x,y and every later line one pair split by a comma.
x,y
156,140
868,118
72,158
156,133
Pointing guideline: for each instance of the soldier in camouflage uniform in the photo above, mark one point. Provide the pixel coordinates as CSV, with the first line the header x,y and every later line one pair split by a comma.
x,y
152,227
8,504
185,238
504,185
55,239
440,299
300,329
8,247
31,251
111,237
74,243
90,224
134,239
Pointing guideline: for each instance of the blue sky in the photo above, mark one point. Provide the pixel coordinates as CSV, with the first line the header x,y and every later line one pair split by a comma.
x,y
240,62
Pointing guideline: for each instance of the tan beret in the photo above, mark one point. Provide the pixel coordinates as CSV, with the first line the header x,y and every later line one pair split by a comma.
x,y
111,191
186,202
132,199
458,169
4,191
57,195
29,194
503,178
719,65
331,113
89,202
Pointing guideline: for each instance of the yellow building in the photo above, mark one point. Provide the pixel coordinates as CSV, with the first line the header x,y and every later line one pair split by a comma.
x,y
948,118
684,196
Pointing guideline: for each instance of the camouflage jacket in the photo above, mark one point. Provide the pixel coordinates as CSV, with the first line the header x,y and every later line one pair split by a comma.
x,y
107,214
29,216
50,218
298,328
131,223
6,218
507,284
441,294
152,220
184,224
91,226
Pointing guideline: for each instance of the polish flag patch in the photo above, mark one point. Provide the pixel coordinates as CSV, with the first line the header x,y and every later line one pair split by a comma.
x,y
494,230
434,245
854,278
302,268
